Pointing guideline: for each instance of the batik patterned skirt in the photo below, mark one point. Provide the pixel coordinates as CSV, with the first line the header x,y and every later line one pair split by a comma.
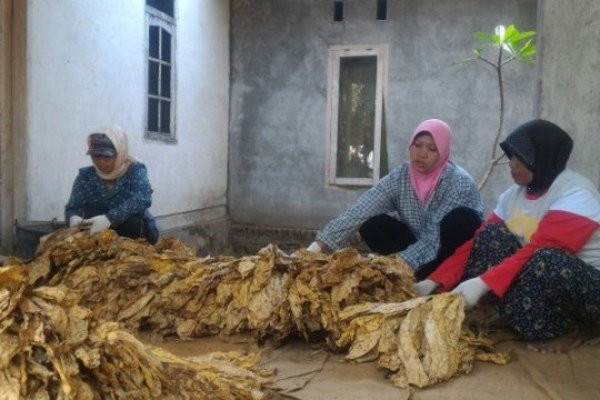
x,y
554,293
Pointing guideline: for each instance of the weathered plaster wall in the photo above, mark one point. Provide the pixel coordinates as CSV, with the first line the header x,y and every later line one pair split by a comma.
x,y
279,87
86,69
570,77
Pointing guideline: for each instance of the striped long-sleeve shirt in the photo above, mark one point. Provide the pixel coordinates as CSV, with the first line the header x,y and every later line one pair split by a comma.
x,y
394,193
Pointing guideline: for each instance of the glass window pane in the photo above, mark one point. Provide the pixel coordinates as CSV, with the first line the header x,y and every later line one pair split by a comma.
x,y
165,53
153,115
165,6
165,116
338,11
356,117
153,77
153,41
165,81
382,10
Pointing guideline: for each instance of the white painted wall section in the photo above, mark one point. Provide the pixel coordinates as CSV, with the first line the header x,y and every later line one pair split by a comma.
x,y
87,69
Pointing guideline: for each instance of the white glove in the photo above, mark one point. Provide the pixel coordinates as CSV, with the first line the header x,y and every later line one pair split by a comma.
x,y
314,247
425,287
75,220
472,290
99,223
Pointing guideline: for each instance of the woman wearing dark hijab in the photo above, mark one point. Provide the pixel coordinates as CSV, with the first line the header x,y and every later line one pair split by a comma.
x,y
539,251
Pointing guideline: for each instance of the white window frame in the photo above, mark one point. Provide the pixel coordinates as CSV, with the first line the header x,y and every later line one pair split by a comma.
x,y
336,53
166,22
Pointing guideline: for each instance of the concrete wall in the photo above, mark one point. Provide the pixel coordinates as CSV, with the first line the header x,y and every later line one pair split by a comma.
x,y
86,69
279,88
570,77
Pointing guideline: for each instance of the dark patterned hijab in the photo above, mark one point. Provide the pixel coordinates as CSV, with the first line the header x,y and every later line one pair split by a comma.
x,y
543,147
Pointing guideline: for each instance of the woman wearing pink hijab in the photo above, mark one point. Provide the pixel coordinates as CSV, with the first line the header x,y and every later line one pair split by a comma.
x,y
422,210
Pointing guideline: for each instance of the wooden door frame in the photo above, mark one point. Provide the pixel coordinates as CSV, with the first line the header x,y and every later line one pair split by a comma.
x,y
13,23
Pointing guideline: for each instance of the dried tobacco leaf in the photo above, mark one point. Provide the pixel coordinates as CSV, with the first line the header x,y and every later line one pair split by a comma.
x,y
170,292
421,341
356,303
53,348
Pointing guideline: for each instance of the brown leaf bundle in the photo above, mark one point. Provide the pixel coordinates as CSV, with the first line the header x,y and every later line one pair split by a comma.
x,y
167,290
52,348
420,341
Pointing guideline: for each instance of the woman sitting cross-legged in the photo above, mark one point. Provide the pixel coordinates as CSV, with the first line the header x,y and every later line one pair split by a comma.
x,y
114,192
539,251
435,205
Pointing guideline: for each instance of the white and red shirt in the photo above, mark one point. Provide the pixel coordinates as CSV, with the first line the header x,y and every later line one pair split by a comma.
x,y
566,217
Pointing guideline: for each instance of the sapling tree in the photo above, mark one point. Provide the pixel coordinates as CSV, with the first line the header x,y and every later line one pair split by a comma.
x,y
503,46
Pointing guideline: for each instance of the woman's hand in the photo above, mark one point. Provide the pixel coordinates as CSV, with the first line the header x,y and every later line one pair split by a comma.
x,y
317,247
472,290
425,287
99,223
75,220
314,247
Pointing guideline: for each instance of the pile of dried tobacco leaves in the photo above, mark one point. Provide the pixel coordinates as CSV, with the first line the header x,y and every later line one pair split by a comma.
x,y
166,289
420,341
53,348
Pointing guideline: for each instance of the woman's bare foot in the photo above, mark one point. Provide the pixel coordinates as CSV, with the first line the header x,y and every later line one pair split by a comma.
x,y
561,344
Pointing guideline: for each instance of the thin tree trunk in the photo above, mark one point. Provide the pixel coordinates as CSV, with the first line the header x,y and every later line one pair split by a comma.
x,y
495,158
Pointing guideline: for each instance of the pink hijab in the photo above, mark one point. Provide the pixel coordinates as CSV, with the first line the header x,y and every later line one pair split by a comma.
x,y
424,184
